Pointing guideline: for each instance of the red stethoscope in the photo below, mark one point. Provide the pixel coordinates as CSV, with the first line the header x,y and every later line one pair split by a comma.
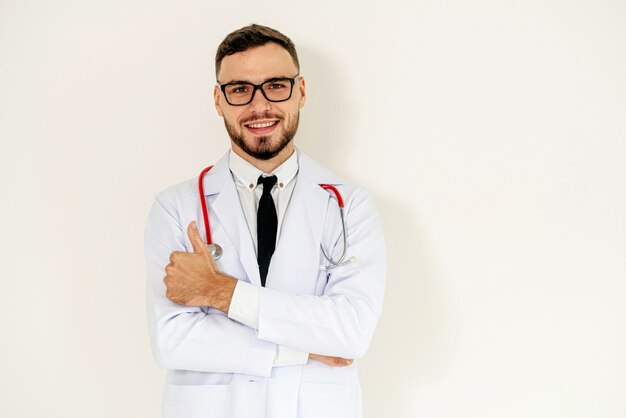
x,y
216,250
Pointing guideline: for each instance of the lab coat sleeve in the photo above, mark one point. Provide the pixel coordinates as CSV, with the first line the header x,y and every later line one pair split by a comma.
x,y
341,321
191,338
244,308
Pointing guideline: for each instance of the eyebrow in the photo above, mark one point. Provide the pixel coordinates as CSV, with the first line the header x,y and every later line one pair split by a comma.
x,y
250,82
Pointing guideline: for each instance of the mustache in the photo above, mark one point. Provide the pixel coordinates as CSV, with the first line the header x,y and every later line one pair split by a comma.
x,y
261,116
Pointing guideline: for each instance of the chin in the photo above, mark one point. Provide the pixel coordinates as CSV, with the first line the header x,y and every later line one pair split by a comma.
x,y
262,147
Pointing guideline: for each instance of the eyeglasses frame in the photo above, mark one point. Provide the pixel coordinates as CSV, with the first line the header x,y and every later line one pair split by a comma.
x,y
256,87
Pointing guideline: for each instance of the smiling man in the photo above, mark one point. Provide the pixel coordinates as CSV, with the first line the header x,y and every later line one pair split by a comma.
x,y
269,323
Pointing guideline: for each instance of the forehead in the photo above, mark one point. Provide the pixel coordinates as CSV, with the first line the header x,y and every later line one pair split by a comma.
x,y
257,64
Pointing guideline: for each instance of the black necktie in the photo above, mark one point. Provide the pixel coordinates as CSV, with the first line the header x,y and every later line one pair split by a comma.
x,y
266,226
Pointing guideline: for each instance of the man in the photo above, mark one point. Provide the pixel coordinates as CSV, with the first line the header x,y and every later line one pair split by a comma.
x,y
271,327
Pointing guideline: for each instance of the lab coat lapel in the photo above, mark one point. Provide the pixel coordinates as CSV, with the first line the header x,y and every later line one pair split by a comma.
x,y
301,232
226,208
314,198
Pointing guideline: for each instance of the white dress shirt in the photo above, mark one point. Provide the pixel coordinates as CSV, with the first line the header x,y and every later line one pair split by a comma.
x,y
244,305
246,177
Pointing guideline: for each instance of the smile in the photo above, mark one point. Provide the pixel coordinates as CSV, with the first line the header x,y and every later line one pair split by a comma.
x,y
261,127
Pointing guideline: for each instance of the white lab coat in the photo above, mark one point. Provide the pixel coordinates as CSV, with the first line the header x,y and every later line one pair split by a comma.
x,y
219,368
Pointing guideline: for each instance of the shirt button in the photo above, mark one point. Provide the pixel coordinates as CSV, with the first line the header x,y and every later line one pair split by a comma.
x,y
251,186
281,185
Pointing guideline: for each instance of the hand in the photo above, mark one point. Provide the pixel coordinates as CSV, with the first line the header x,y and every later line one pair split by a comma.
x,y
331,361
193,279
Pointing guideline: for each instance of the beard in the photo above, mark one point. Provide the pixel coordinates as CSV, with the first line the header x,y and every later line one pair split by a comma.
x,y
263,149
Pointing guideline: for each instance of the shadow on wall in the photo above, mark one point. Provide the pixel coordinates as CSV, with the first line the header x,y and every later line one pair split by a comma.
x,y
324,131
416,335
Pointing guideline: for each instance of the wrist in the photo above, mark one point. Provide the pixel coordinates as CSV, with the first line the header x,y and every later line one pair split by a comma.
x,y
221,292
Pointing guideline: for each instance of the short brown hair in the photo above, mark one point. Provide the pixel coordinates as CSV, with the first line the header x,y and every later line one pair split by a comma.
x,y
252,36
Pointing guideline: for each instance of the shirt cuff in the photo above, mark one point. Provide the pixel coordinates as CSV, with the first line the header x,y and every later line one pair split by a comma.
x,y
244,305
286,356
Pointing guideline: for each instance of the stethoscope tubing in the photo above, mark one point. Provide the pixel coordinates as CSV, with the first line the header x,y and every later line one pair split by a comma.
x,y
216,250
205,212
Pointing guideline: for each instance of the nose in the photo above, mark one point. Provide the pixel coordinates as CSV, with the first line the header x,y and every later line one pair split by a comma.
x,y
259,102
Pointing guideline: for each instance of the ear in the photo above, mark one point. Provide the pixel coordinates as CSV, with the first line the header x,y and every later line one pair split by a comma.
x,y
216,98
302,87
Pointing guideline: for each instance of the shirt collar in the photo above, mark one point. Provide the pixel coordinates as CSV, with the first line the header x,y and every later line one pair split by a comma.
x,y
248,175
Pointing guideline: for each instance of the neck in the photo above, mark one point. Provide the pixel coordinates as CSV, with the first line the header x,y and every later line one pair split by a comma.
x,y
266,166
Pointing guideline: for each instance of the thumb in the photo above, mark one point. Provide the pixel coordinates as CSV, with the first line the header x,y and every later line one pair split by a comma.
x,y
196,239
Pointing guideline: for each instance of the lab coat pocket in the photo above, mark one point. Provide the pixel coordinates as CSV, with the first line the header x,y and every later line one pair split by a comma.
x,y
195,401
325,400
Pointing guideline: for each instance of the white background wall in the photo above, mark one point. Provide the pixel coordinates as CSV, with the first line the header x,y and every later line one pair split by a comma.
x,y
491,133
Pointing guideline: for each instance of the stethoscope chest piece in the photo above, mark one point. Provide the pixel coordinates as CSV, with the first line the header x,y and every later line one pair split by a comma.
x,y
215,250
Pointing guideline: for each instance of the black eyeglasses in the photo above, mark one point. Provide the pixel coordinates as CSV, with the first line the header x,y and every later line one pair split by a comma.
x,y
240,93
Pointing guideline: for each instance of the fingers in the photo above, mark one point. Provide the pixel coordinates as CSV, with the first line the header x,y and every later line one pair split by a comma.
x,y
199,247
331,361
196,240
175,255
341,362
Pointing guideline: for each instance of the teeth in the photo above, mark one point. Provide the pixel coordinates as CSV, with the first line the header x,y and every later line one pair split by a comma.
x,y
261,125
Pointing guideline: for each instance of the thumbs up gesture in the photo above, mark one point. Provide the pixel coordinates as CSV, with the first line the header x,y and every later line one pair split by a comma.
x,y
193,279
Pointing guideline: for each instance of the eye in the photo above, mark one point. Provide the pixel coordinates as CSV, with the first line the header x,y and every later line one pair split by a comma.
x,y
277,85
238,89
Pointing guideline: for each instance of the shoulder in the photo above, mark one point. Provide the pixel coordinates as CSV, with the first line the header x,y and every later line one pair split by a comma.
x,y
172,202
179,192
188,190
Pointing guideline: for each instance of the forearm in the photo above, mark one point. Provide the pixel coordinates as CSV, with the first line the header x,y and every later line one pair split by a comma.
x,y
333,326
336,326
210,343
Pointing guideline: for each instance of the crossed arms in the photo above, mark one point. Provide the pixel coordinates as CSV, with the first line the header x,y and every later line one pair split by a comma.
x,y
187,309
